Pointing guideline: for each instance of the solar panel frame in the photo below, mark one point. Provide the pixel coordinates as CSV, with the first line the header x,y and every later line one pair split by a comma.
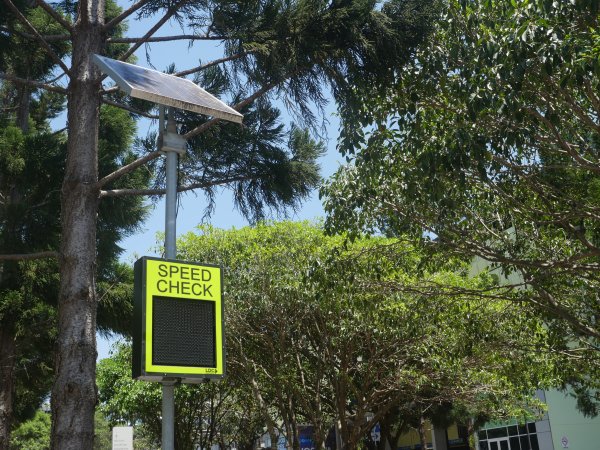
x,y
165,89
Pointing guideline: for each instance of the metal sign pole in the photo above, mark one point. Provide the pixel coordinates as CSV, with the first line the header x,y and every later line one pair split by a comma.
x,y
168,388
176,92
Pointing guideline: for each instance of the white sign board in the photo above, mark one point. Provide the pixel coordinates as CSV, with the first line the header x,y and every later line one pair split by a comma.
x,y
122,438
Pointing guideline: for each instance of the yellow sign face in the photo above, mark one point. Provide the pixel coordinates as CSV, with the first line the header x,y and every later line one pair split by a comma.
x,y
186,294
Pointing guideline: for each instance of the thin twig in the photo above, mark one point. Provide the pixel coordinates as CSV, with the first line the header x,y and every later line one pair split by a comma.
x,y
567,147
152,30
47,37
210,64
181,37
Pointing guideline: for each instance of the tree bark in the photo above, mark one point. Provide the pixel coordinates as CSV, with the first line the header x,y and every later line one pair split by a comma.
x,y
421,430
24,93
74,391
7,365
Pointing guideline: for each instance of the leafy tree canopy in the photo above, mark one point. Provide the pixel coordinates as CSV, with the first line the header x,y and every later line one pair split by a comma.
x,y
488,146
324,330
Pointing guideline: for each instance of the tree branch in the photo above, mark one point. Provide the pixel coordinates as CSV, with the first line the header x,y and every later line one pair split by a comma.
x,y
38,36
121,17
52,13
29,256
568,148
32,83
210,64
152,30
189,187
47,37
550,303
129,108
212,122
593,96
128,168
181,37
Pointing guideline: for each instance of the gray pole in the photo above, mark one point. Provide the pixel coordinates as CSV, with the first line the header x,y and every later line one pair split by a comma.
x,y
168,388
168,416
171,202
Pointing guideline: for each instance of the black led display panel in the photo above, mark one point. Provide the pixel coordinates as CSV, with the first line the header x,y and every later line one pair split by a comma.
x,y
183,332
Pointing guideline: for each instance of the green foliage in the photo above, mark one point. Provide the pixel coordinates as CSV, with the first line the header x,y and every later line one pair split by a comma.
x,y
102,433
205,414
319,328
33,434
322,42
326,329
34,63
294,46
265,166
488,146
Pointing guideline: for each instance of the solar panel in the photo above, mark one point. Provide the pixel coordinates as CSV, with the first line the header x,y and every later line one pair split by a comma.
x,y
165,89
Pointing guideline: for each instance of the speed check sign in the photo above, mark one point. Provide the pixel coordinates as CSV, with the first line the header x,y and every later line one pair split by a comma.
x,y
178,321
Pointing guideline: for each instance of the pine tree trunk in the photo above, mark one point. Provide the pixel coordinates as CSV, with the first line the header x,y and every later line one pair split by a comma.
x,y
74,391
23,109
7,364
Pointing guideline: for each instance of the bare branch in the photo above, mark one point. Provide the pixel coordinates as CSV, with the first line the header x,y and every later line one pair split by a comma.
x,y
152,30
206,125
38,36
32,83
210,64
52,13
130,109
181,37
190,187
29,256
121,17
128,168
47,37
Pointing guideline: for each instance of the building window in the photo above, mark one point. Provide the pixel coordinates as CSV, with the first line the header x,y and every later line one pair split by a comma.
x,y
513,437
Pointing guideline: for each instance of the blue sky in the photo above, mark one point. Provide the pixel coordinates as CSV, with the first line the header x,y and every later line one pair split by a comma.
x,y
192,204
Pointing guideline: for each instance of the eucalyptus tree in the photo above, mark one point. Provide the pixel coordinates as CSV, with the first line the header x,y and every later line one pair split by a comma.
x,y
284,49
488,146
